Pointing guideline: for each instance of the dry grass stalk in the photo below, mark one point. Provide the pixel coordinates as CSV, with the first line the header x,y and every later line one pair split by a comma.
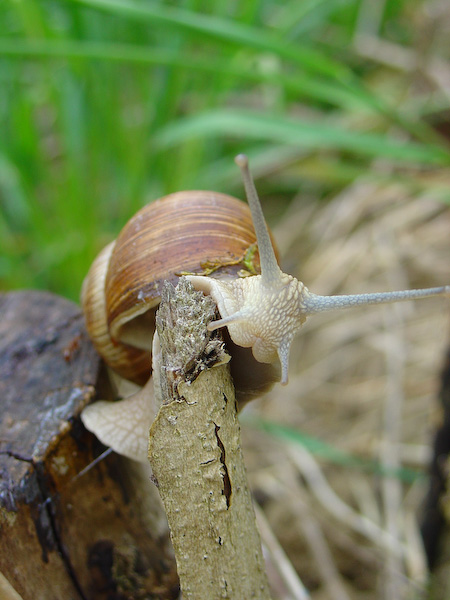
x,y
364,382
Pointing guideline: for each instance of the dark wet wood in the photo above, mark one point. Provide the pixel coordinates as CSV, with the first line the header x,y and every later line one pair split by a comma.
x,y
435,524
63,535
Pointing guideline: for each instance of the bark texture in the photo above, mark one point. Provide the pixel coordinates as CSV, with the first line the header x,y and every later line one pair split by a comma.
x,y
66,532
195,454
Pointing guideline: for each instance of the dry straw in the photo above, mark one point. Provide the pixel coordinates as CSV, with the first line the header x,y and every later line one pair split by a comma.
x,y
364,382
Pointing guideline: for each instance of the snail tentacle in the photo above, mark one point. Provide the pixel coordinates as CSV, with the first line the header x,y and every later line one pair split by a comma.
x,y
314,303
270,271
266,311
181,233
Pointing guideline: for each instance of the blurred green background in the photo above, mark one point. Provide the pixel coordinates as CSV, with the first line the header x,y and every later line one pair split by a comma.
x,y
108,104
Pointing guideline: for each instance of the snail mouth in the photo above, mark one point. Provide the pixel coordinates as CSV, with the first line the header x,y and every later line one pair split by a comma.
x,y
251,378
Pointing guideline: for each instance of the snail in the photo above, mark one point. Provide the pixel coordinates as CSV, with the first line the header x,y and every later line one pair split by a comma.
x,y
192,231
212,234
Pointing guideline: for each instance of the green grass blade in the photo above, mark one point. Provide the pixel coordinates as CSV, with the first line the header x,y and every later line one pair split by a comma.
x,y
226,30
306,86
329,453
263,39
305,135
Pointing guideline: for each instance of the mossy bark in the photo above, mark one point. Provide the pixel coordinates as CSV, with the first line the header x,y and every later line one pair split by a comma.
x,y
195,453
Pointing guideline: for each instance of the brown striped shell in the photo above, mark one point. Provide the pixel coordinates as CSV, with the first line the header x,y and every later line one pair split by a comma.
x,y
128,361
179,233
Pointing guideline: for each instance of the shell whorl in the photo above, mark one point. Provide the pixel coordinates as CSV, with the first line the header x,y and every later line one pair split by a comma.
x,y
131,363
178,233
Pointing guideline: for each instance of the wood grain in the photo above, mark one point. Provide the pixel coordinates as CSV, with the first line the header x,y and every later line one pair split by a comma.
x,y
67,533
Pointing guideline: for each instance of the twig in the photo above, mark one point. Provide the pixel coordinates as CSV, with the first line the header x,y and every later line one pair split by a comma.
x,y
195,454
281,561
311,471
323,558
7,592
391,487
394,353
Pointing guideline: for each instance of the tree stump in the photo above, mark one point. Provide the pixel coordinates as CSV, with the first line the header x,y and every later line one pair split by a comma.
x,y
65,532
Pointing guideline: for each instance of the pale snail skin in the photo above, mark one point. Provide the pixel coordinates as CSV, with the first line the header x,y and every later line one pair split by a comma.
x,y
185,231
263,312
267,310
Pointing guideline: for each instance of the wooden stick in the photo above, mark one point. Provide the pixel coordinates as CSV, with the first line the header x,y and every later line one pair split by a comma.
x,y
7,592
195,454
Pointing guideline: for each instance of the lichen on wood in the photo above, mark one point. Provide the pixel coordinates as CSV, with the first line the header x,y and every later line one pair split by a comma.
x,y
195,453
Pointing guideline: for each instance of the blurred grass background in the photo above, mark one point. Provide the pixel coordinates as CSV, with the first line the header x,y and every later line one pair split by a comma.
x,y
108,104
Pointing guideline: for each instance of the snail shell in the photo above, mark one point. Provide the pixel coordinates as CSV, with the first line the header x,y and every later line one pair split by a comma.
x,y
262,314
179,233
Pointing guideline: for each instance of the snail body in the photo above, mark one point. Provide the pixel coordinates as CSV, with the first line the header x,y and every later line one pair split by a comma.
x,y
267,311
193,232
184,232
